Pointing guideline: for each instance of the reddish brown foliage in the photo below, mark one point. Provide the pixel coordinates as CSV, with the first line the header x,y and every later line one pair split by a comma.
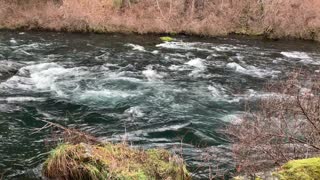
x,y
285,126
275,18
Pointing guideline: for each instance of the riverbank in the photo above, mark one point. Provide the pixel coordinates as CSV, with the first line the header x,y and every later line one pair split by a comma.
x,y
273,19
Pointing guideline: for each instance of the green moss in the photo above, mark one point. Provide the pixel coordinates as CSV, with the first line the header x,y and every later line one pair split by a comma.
x,y
166,39
306,169
112,161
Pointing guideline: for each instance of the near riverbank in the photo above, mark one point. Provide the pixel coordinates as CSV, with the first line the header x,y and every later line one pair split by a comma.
x,y
271,18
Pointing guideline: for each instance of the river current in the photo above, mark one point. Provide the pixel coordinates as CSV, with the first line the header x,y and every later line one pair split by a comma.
x,y
176,95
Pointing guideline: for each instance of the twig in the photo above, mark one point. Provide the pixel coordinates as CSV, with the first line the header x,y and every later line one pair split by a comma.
x,y
306,114
68,131
2,175
46,126
159,8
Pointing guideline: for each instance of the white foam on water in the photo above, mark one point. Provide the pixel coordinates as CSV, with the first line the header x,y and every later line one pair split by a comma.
x,y
9,108
131,79
198,65
308,61
185,46
217,92
105,93
104,56
32,46
161,129
224,48
13,41
220,93
233,118
236,67
254,95
134,112
212,56
172,127
214,91
41,77
304,57
22,52
22,99
177,68
296,55
178,55
152,74
136,47
252,70
65,83
239,57
155,52
45,75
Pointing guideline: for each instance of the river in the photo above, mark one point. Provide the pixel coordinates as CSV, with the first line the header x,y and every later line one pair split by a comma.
x,y
175,95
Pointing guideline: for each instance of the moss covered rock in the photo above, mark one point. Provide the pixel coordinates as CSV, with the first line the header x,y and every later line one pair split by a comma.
x,y
306,169
112,161
166,39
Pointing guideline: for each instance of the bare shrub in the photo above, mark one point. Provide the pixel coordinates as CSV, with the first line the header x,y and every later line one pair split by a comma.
x,y
273,18
283,126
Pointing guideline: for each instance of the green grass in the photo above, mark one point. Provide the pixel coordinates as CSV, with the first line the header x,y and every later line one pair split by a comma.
x,y
112,161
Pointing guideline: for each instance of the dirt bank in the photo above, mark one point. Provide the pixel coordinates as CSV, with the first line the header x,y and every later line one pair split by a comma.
x,y
272,18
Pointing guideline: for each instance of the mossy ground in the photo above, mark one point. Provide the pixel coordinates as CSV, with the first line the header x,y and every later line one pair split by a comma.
x,y
112,161
306,169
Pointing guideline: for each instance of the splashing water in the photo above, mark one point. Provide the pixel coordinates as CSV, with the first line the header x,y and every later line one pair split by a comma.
x,y
174,95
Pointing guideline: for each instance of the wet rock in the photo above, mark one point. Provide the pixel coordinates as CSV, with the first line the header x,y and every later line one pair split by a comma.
x,y
8,68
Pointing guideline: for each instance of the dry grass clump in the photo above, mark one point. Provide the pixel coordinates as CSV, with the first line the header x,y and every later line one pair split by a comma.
x,y
84,157
272,18
112,161
283,127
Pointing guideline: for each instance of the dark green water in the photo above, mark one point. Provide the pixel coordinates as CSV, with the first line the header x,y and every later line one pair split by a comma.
x,y
161,94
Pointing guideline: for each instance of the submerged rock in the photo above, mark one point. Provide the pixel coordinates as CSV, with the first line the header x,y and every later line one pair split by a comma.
x,y
112,161
8,68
